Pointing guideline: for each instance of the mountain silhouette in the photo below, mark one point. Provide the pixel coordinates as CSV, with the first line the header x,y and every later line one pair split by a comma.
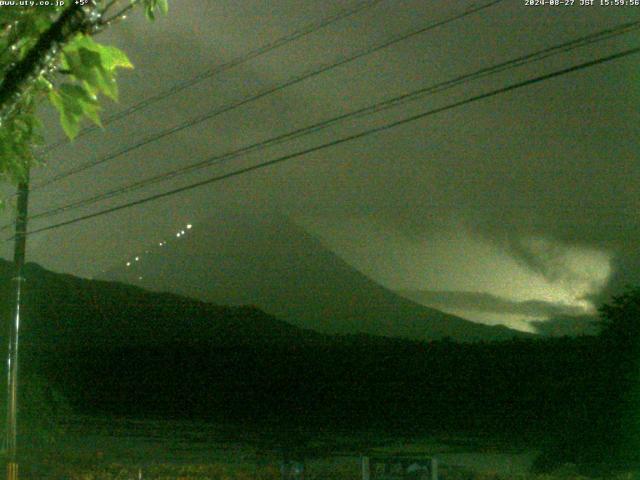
x,y
270,262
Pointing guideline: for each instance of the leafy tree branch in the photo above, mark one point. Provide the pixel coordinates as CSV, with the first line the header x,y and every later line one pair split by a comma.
x,y
36,41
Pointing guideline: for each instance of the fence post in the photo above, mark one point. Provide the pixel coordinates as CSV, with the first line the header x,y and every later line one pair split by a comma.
x,y
366,469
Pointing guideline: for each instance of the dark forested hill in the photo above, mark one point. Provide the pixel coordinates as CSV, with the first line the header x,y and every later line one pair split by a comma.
x,y
68,312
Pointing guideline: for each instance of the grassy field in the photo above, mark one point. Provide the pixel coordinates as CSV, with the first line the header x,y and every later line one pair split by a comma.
x,y
246,467
315,470
113,448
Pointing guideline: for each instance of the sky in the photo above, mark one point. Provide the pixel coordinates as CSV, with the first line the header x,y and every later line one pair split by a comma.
x,y
511,209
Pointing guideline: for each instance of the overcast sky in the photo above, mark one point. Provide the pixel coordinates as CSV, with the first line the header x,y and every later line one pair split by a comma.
x,y
529,196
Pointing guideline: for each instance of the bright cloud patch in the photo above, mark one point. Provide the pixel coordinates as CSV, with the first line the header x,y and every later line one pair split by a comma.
x,y
539,272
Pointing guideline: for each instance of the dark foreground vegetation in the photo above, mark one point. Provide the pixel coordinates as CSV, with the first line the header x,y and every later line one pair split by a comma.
x,y
111,349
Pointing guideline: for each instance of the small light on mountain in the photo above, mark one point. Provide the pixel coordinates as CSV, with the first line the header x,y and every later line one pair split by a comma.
x,y
182,232
160,244
128,264
139,278
137,259
178,234
189,226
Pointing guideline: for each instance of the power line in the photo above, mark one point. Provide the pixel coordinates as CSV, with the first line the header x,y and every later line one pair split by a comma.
x,y
257,52
369,110
263,93
342,140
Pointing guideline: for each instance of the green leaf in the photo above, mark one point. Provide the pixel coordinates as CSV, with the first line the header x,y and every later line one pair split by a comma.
x,y
149,13
73,102
150,6
95,65
164,6
69,118
88,102
109,87
113,58
97,77
110,56
85,66
43,84
16,138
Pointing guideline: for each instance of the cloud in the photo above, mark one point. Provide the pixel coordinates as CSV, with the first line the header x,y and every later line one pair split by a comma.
x,y
582,270
488,303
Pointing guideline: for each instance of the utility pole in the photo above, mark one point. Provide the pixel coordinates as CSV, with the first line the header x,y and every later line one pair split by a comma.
x,y
14,327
